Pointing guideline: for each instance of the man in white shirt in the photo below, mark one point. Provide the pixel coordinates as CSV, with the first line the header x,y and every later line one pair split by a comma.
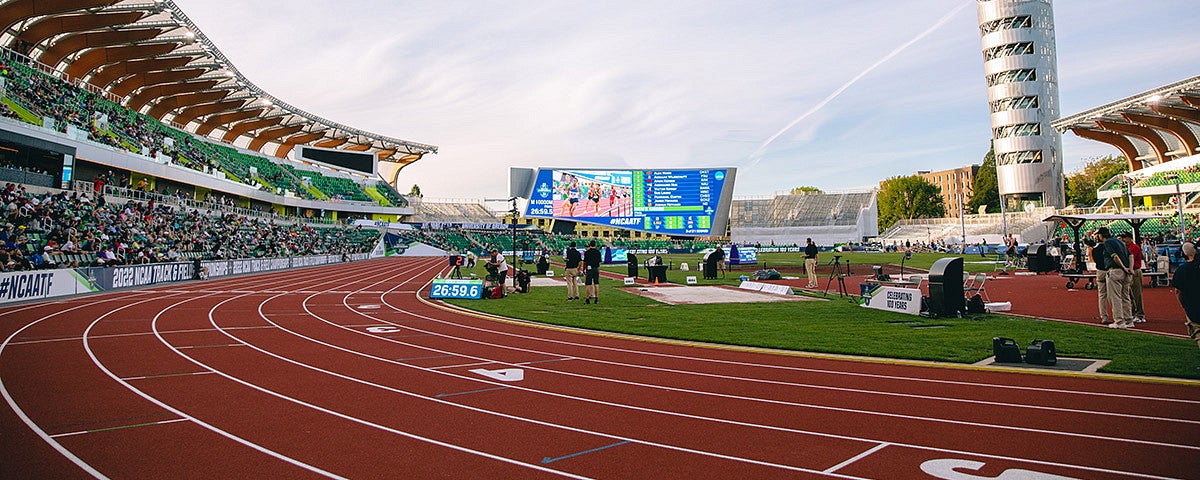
x,y
501,266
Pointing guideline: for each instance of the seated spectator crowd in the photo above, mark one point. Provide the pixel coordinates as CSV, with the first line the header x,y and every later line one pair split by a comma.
x,y
78,229
109,123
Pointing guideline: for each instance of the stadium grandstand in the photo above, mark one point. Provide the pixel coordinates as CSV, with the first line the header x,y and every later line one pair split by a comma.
x,y
127,138
137,89
456,211
788,219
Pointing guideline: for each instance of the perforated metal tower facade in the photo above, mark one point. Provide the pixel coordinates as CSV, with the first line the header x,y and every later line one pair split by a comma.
x,y
1022,78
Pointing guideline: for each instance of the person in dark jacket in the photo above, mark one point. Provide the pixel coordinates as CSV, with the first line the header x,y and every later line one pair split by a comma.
x,y
591,273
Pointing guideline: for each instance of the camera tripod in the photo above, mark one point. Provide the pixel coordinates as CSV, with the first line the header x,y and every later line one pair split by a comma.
x,y
839,274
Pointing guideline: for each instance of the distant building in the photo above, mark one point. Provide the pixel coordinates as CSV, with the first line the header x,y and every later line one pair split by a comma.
x,y
957,187
1020,66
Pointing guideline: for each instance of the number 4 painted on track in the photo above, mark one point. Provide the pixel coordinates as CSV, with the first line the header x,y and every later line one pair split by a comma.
x,y
949,469
503,375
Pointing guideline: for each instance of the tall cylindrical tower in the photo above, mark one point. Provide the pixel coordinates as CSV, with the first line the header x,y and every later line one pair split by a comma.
x,y
1022,79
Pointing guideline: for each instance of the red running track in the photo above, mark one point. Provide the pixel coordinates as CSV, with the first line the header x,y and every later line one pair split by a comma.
x,y
343,371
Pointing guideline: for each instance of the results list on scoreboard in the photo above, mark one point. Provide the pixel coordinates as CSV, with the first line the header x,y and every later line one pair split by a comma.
x,y
674,200
673,190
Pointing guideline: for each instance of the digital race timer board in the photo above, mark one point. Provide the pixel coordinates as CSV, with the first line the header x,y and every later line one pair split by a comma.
x,y
456,288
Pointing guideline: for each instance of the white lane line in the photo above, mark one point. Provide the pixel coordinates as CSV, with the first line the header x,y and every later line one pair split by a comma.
x,y
95,360
467,407
632,407
921,447
782,402
21,412
856,458
916,447
825,387
337,414
1039,390
763,381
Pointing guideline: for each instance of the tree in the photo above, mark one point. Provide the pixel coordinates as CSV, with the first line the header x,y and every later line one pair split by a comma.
x,y
415,192
1081,186
906,198
985,187
805,190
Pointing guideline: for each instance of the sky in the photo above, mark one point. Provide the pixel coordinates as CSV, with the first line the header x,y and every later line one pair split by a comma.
x,y
835,94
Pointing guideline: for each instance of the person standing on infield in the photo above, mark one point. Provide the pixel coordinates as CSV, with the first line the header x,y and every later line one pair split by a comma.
x,y
591,273
501,265
1187,287
571,273
810,263
1135,280
1116,261
1097,254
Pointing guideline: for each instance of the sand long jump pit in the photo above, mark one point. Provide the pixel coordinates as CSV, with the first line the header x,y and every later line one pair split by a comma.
x,y
681,295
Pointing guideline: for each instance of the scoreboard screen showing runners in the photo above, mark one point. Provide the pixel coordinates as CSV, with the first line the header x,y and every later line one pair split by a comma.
x,y
672,202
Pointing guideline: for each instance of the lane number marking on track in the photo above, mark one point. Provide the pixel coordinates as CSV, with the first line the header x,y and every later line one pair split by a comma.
x,y
951,469
503,375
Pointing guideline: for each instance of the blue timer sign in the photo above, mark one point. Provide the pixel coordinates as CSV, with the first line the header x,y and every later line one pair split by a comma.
x,y
456,288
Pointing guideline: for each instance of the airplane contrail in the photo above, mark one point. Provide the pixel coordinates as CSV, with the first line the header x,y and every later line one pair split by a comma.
x,y
757,155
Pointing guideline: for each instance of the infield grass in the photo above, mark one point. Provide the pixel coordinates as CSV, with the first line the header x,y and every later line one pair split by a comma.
x,y
837,325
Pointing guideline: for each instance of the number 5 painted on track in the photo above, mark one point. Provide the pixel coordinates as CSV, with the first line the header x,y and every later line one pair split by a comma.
x,y
949,469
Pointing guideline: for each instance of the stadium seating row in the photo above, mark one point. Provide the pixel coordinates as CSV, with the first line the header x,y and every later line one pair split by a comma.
x,y
36,96
800,210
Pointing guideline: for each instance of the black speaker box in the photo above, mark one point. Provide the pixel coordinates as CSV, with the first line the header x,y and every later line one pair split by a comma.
x,y
1006,350
946,287
1041,352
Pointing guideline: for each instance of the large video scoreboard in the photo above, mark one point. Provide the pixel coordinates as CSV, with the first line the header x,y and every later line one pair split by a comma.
x,y
687,202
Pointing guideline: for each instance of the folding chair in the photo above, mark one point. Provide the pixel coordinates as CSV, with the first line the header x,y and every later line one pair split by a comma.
x,y
968,282
977,287
916,281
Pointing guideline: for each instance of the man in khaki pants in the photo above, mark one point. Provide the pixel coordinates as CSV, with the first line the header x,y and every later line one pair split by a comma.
x,y
1116,261
571,273
810,263
1135,280
1097,254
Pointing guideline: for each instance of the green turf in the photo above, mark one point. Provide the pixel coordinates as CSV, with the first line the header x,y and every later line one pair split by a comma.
x,y
842,327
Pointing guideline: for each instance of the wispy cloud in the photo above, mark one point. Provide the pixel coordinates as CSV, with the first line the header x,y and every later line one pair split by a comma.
x,y
668,84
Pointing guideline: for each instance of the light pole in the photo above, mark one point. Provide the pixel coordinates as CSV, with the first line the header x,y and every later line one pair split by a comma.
x,y
1179,201
513,212
962,220
1129,191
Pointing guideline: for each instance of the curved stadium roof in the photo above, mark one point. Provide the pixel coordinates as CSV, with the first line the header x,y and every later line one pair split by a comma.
x,y
1150,128
151,58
